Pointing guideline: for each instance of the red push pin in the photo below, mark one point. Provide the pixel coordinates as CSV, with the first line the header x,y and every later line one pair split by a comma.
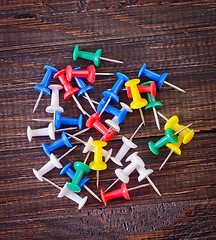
x,y
69,90
89,73
144,88
121,192
94,121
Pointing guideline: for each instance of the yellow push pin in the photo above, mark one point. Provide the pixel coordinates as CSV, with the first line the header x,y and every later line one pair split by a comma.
x,y
174,147
98,163
137,102
187,134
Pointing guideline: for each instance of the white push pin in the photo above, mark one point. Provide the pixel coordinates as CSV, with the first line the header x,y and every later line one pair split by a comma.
x,y
89,148
48,131
144,173
65,191
53,162
54,106
126,146
123,174
69,194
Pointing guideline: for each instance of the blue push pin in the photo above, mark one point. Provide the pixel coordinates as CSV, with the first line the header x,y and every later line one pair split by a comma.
x,y
57,144
112,94
121,114
159,79
43,87
82,183
84,89
59,120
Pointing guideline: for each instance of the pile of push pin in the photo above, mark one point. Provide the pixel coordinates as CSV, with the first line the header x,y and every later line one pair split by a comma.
x,y
175,134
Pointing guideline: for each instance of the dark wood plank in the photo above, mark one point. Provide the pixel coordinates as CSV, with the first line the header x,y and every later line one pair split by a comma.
x,y
176,37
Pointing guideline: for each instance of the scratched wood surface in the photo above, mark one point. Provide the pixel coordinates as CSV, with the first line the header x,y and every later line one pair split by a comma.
x,y
173,36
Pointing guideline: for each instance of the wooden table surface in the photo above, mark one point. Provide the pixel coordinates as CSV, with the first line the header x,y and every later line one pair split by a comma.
x,y
177,37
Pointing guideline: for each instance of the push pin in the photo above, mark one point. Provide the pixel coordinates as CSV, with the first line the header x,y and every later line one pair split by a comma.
x,y
112,94
174,147
143,172
82,183
54,106
120,114
48,131
159,79
170,136
43,87
89,73
69,194
151,88
84,89
59,120
123,174
121,192
126,146
138,102
81,169
152,104
95,57
53,162
89,148
94,121
114,123
98,163
57,144
69,90
173,123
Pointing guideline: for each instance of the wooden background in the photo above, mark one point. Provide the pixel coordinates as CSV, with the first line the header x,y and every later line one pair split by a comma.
x,y
173,36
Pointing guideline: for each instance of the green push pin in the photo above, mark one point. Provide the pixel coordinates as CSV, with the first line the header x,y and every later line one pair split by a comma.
x,y
152,104
169,137
95,57
81,169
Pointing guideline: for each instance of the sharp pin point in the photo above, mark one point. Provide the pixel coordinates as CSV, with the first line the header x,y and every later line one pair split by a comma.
x,y
173,86
97,178
42,120
136,131
183,129
161,115
66,129
112,185
65,154
104,74
164,162
87,156
152,184
52,183
80,132
105,105
138,187
90,101
142,116
111,60
156,118
37,102
76,138
92,193
80,106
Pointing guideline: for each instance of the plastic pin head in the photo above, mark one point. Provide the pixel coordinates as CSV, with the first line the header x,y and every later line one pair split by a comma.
x,y
122,192
173,123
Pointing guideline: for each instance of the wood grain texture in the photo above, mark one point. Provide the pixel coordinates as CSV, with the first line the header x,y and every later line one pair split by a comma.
x,y
177,37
